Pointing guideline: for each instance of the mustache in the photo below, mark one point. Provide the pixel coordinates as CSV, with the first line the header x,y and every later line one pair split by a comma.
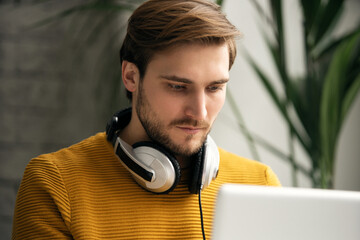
x,y
190,122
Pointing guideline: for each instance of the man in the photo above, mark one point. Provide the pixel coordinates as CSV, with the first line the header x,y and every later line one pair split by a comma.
x,y
175,60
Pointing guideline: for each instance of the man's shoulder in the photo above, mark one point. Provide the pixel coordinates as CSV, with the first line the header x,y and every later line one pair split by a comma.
x,y
243,170
94,145
228,159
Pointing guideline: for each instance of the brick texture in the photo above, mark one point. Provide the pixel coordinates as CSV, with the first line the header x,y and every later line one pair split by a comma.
x,y
54,90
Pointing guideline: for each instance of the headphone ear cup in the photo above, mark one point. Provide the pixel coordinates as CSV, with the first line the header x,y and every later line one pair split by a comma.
x,y
165,166
206,166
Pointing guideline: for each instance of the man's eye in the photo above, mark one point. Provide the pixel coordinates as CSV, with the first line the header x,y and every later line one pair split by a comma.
x,y
176,87
214,88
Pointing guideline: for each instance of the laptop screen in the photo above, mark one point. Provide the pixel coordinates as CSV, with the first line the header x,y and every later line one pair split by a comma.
x,y
276,213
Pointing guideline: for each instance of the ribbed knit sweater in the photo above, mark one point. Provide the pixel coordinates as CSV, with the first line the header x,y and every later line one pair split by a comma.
x,y
83,192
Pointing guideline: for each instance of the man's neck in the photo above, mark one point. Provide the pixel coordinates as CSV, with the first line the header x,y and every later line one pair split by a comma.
x,y
133,132
184,162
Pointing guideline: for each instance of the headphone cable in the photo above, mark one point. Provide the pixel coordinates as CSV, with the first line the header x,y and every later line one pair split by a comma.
x,y
201,217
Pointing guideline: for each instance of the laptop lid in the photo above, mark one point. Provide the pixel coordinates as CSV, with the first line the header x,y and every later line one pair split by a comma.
x,y
276,213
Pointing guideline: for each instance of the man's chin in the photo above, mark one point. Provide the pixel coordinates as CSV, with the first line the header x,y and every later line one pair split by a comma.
x,y
188,147
186,152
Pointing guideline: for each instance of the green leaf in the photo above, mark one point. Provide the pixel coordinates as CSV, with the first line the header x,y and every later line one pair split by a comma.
x,y
321,98
242,125
262,13
334,98
278,59
274,96
220,2
349,97
276,8
266,82
318,53
353,84
274,150
310,10
327,18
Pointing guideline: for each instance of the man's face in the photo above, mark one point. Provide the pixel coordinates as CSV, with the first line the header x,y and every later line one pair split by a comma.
x,y
181,94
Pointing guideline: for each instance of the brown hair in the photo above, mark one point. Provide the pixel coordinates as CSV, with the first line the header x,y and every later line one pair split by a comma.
x,y
158,24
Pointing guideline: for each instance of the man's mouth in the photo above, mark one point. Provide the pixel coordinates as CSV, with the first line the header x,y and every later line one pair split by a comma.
x,y
190,126
190,129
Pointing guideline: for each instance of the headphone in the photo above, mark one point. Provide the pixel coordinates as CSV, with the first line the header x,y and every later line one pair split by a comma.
x,y
156,169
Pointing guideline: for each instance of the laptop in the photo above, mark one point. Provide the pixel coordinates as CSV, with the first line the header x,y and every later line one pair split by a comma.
x,y
280,213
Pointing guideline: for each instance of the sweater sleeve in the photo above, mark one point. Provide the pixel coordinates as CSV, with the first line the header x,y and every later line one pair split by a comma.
x,y
271,178
42,208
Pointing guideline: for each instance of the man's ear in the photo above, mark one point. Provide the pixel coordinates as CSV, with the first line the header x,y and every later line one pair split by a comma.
x,y
130,75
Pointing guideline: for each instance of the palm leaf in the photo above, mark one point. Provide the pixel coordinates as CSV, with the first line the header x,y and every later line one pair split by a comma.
x,y
281,104
349,98
263,14
242,125
336,100
327,18
322,97
277,152
219,2
310,10
328,49
323,16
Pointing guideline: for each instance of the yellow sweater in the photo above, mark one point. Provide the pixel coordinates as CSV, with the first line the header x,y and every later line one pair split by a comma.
x,y
83,192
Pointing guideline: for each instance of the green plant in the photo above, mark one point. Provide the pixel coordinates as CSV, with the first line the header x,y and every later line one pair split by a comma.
x,y
322,97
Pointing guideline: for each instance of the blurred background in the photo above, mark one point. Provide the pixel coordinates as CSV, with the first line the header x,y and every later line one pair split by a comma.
x,y
60,83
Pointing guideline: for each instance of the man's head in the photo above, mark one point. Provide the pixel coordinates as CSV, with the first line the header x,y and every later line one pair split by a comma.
x,y
176,59
160,24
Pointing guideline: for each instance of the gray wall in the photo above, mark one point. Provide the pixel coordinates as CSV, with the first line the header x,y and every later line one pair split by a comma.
x,y
52,91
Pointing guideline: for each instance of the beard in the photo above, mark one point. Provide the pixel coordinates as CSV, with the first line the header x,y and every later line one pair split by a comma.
x,y
157,131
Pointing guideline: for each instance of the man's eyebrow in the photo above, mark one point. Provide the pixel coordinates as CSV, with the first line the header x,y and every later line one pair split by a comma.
x,y
221,81
176,79
189,81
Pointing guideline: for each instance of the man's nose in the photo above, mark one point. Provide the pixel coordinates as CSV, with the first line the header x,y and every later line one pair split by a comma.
x,y
196,106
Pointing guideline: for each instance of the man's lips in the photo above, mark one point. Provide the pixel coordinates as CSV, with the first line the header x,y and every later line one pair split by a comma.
x,y
190,129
